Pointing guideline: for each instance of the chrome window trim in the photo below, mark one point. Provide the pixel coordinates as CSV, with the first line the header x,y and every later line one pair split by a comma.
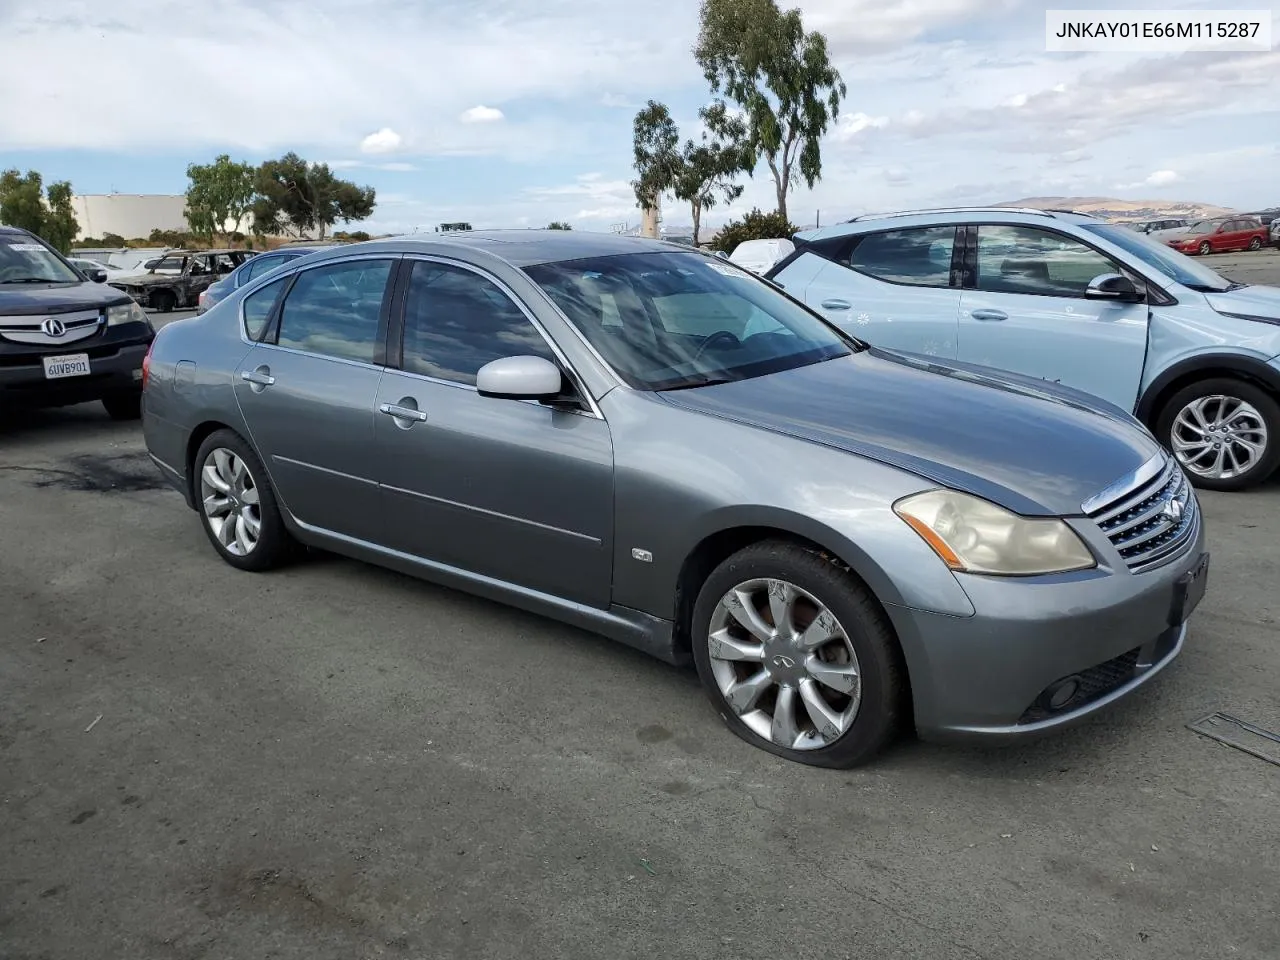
x,y
510,294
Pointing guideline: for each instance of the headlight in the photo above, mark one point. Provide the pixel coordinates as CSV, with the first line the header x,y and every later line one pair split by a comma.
x,y
126,313
976,536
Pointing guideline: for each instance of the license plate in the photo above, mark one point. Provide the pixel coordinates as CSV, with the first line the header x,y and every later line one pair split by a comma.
x,y
1189,591
71,365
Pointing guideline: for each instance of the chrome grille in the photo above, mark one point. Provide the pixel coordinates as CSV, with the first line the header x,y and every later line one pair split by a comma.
x,y
1153,520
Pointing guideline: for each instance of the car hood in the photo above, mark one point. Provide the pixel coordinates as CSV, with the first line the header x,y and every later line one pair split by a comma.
x,y
27,299
1252,301
143,279
1032,447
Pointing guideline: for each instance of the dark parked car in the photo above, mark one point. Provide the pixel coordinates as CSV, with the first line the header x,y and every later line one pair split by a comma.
x,y
63,338
253,268
176,280
658,445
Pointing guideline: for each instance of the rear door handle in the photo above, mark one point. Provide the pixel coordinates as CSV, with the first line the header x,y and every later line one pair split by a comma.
x,y
403,413
989,315
836,304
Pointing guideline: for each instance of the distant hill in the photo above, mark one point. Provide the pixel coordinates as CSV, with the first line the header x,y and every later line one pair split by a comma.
x,y
1113,209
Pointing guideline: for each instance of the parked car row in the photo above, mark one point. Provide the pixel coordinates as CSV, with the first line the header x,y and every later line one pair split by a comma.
x,y
658,445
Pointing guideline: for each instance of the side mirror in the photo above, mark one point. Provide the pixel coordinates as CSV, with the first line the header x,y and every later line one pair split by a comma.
x,y
1114,287
520,378
98,275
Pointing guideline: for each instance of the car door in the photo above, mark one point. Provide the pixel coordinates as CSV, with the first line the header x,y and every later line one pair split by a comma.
x,y
308,388
509,489
893,288
1024,309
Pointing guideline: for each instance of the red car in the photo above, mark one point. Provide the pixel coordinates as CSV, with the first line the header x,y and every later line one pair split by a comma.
x,y
1219,236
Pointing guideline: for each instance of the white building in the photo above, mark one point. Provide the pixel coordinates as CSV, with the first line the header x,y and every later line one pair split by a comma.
x,y
128,215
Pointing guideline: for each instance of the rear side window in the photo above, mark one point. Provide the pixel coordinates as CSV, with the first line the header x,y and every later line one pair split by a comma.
x,y
260,265
334,310
257,309
920,257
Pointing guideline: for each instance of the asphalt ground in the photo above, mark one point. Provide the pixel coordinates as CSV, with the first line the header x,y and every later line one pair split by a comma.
x,y
335,761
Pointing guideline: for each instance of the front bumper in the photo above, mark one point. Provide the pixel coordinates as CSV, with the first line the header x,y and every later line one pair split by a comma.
x,y
114,368
991,676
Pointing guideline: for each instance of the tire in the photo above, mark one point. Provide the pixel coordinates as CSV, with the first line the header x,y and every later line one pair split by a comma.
x,y
1205,249
1260,425
1255,243
869,722
163,301
124,406
273,546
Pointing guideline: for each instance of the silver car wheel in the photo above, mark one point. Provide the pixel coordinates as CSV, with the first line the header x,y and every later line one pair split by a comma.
x,y
1219,437
229,495
784,664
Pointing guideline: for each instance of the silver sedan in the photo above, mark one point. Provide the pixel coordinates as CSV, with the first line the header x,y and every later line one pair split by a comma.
x,y
654,444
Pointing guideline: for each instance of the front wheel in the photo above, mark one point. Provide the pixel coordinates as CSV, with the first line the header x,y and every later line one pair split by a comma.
x,y
1255,243
237,504
1224,432
797,656
1205,249
163,301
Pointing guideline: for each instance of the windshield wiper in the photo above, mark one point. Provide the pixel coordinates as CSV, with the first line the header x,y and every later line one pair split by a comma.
x,y
33,280
701,382
1205,288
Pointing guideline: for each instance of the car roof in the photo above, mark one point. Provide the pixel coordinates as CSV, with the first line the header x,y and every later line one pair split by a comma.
x,y
14,230
517,248
874,222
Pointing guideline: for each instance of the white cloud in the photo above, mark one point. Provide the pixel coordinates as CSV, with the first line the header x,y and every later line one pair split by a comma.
x,y
852,124
385,140
482,114
865,24
1162,178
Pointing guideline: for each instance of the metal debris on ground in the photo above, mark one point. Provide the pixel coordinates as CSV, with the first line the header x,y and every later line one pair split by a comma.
x,y
648,868
1244,736
94,724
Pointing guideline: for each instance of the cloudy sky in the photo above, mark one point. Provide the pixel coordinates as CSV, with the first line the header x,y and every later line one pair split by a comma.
x,y
518,112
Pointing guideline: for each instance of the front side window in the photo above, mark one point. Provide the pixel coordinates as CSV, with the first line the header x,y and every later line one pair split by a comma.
x,y
1154,253
670,320
334,310
1014,259
257,309
456,321
919,257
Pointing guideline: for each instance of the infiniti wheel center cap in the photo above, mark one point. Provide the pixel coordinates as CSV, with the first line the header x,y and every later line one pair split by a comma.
x,y
784,663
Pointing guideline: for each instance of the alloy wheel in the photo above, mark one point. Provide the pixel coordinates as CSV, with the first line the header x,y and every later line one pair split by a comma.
x,y
1219,437
229,496
784,664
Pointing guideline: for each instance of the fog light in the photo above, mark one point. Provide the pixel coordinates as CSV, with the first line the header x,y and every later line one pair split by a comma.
x,y
1063,692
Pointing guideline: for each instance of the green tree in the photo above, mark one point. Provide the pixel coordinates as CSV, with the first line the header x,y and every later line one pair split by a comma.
x,y
707,169
558,225
60,226
295,197
22,201
218,193
47,214
658,162
753,226
763,60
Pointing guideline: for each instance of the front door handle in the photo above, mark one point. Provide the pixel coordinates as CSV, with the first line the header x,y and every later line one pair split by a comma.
x,y
989,315
402,412
836,304
259,378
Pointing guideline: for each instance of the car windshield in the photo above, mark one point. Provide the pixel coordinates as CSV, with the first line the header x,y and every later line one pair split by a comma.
x,y
1203,226
1164,258
24,259
667,321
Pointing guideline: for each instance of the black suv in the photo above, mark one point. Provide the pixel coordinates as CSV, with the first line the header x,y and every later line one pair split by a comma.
x,y
66,337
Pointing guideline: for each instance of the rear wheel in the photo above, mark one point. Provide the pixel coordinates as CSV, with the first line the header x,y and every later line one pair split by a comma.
x,y
123,406
237,505
797,656
1224,432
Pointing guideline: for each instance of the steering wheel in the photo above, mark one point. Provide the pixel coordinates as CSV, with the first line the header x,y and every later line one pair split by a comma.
x,y
718,335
